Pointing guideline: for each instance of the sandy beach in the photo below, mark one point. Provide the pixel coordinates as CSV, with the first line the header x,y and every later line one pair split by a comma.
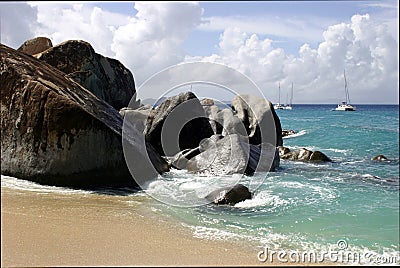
x,y
56,230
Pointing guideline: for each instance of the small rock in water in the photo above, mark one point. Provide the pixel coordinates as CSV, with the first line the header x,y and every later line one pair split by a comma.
x,y
229,195
317,156
379,157
287,132
302,154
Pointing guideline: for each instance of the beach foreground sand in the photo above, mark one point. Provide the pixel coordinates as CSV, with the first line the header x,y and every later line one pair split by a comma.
x,y
52,229
56,230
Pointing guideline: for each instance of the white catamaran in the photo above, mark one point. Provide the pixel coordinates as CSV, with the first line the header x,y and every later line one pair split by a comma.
x,y
279,106
345,105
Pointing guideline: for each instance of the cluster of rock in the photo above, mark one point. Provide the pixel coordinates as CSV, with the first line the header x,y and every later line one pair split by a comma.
x,y
198,136
65,122
202,138
62,117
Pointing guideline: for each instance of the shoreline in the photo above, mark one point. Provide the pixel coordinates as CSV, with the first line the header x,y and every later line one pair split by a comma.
x,y
55,229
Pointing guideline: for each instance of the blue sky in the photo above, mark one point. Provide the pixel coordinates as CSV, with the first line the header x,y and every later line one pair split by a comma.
x,y
305,42
204,42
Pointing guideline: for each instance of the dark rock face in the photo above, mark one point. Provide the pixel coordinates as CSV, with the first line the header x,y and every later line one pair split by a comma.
x,y
56,132
106,78
232,154
35,45
317,156
259,118
229,195
302,155
180,122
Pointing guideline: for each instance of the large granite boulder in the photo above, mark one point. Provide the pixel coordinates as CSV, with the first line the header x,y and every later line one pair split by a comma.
x,y
232,154
230,123
56,132
259,118
179,161
137,117
229,195
178,123
106,78
211,112
36,45
224,121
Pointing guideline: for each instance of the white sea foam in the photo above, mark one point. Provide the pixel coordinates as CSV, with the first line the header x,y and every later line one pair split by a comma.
x,y
343,151
24,185
189,186
292,184
263,198
213,233
295,242
315,148
325,193
185,189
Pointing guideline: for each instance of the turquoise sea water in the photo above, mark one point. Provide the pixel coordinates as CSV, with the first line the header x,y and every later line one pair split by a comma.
x,y
305,206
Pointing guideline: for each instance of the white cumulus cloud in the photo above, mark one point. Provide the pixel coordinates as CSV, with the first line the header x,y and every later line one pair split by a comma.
x,y
151,41
362,47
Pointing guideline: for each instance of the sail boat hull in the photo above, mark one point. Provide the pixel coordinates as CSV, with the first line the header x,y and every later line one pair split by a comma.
x,y
279,106
345,105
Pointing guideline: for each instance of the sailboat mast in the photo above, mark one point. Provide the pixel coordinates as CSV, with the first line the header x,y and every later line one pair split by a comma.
x,y
345,88
279,101
291,96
